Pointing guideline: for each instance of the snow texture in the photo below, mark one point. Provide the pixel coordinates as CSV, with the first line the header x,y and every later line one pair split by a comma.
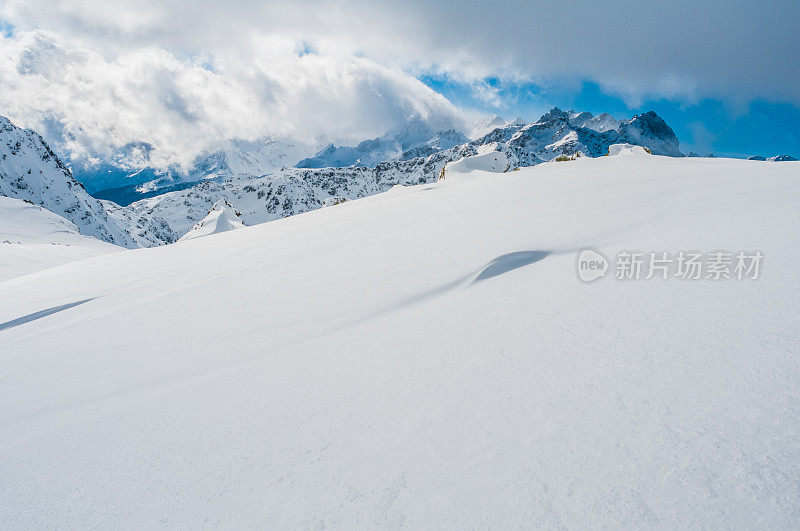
x,y
422,358
32,239
222,218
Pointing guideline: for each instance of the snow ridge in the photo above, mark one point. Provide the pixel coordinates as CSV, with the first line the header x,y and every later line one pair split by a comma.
x,y
29,170
222,218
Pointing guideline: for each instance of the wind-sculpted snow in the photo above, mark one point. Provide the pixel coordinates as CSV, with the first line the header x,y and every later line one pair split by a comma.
x,y
222,218
29,170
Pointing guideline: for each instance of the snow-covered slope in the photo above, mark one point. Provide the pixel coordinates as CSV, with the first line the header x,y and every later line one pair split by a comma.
x,y
425,357
32,239
29,170
222,218
166,218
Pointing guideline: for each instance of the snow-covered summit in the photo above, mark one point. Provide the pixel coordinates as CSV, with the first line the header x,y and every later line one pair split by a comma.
x,y
484,126
600,123
222,218
560,132
29,170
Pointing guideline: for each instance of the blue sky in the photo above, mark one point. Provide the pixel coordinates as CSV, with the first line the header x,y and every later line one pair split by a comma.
x,y
185,76
708,125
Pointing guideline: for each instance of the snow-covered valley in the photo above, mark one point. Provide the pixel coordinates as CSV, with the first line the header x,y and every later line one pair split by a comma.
x,y
423,357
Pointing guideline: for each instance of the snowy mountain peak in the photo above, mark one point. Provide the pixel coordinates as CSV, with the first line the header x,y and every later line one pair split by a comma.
x,y
295,190
555,115
600,123
650,130
222,218
29,170
416,138
485,126
782,158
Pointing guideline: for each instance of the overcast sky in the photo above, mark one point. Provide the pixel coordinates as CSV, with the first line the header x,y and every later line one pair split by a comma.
x,y
184,75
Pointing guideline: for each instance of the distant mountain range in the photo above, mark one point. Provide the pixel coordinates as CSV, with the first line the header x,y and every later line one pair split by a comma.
x,y
258,181
237,158
415,139
165,218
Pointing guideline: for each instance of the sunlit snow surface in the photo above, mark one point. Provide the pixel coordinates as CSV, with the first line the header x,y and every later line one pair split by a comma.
x,y
422,358
32,239
221,218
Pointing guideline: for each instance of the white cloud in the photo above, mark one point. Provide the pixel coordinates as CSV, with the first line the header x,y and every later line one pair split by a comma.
x,y
183,75
488,94
185,106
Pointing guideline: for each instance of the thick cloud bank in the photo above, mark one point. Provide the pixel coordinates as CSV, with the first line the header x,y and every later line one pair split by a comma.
x,y
184,75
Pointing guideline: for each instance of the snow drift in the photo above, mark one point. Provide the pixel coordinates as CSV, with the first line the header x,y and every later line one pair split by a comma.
x,y
491,161
626,150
